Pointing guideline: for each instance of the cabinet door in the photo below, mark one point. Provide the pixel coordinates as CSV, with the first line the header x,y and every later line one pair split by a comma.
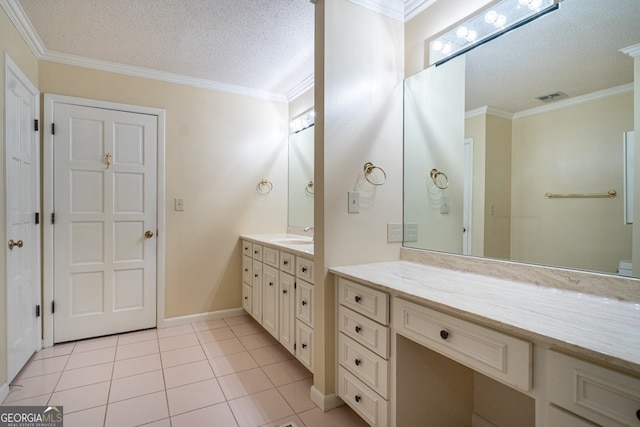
x,y
256,296
246,297
270,299
287,311
304,344
304,304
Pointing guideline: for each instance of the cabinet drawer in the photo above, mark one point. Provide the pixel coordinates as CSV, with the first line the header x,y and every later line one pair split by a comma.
x,y
247,248
367,366
246,298
304,269
256,252
288,263
247,269
499,356
304,302
365,331
557,417
256,274
304,345
371,407
271,257
365,300
601,395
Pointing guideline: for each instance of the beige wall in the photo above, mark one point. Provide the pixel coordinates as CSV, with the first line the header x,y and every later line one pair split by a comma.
x,y
301,103
577,149
11,43
218,146
636,176
476,128
359,71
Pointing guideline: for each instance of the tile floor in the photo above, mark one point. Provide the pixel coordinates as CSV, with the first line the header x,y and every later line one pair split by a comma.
x,y
226,372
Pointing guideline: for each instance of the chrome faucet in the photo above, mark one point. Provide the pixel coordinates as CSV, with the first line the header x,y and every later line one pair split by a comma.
x,y
307,229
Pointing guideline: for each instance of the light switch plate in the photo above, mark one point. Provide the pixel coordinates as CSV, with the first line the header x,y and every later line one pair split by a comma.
x,y
179,204
354,202
411,232
394,233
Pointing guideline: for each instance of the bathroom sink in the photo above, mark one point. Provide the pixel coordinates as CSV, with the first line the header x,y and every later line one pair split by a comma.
x,y
293,241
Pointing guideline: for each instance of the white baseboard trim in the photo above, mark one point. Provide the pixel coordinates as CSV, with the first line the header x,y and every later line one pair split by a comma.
x,y
4,392
326,402
201,317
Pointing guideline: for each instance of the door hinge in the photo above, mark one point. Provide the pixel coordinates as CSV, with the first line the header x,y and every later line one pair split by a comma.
x,y
53,128
38,310
37,217
53,307
35,125
294,345
295,285
53,218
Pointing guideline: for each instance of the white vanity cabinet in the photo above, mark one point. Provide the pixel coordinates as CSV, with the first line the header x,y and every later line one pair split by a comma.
x,y
593,393
270,306
304,312
364,350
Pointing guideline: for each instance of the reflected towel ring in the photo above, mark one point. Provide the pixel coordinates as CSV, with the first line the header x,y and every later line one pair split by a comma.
x,y
264,186
434,177
309,188
369,168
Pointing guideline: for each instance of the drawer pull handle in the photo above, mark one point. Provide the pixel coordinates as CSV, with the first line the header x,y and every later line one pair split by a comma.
x,y
246,298
284,291
304,302
255,252
444,334
304,346
638,414
358,398
255,275
285,262
304,269
270,283
358,329
246,270
357,362
358,299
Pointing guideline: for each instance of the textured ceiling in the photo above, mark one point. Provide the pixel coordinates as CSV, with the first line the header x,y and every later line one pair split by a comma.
x,y
265,45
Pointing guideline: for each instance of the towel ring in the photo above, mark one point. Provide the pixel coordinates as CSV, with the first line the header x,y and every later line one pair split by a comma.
x,y
264,186
369,168
309,188
434,177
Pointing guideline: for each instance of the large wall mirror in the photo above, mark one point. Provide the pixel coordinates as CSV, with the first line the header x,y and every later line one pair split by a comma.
x,y
542,109
301,185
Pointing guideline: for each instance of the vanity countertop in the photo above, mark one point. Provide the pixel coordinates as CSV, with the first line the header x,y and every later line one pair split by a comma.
x,y
295,243
603,329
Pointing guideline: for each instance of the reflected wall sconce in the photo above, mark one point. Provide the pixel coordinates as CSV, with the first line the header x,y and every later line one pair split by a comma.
x,y
490,23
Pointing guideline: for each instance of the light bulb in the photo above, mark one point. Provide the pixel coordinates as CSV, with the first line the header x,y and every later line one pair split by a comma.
x,y
535,4
462,32
524,2
500,21
437,45
472,36
447,49
491,17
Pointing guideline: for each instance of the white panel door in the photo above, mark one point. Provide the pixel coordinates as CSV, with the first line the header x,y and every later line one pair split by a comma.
x,y
105,221
22,198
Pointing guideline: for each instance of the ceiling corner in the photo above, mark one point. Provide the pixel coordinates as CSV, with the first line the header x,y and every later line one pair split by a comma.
x,y
414,7
391,8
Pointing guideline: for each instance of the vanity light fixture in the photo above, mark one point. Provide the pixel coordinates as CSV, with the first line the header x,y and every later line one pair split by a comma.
x,y
303,121
490,23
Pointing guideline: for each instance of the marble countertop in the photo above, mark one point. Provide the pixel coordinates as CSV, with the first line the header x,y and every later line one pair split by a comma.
x,y
294,243
607,330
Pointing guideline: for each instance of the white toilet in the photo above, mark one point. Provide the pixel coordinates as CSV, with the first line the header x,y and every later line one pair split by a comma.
x,y
625,268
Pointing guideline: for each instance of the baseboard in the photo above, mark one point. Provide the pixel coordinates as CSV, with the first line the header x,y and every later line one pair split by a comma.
x,y
4,392
201,317
326,402
478,421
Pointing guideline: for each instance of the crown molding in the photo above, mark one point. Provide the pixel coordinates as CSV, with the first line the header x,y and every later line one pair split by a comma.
x,y
392,8
22,23
414,7
633,51
490,111
618,90
301,88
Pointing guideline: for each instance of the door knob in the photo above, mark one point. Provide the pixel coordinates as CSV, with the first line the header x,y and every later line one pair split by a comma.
x,y
12,244
148,234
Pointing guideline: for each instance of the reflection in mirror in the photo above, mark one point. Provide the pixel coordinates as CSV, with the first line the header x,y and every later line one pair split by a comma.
x,y
301,185
545,109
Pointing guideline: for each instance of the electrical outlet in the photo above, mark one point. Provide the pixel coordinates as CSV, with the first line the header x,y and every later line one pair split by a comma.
x,y
354,202
394,233
178,204
411,232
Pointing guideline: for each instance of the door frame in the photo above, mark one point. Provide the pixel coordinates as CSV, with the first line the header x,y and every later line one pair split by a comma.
x,y
48,202
12,67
